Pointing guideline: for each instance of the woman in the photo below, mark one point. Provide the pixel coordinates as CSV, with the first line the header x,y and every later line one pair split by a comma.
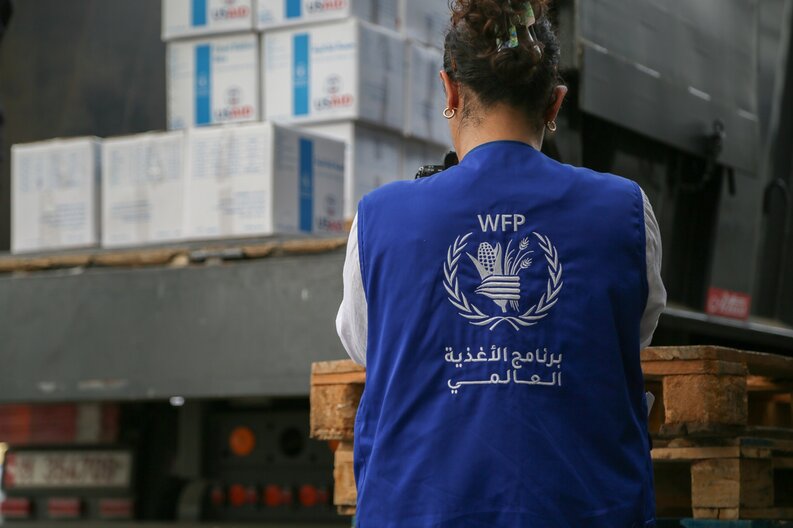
x,y
499,307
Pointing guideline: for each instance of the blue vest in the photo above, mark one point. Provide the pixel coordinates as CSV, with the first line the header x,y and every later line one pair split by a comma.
x,y
503,385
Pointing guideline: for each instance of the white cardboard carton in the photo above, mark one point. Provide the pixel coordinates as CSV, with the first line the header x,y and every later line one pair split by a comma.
x,y
424,95
263,179
374,158
213,81
192,18
425,21
272,14
420,153
336,71
143,189
54,194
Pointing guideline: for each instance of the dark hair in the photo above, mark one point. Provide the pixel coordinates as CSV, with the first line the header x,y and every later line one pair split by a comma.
x,y
523,76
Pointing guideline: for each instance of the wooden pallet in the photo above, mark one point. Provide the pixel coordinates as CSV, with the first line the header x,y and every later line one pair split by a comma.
x,y
721,422
745,477
336,388
711,523
705,390
176,256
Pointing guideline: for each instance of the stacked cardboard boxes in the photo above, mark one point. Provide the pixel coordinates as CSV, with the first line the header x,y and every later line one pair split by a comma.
x,y
54,194
361,72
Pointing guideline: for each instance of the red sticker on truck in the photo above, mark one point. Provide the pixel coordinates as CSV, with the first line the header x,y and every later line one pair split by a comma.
x,y
726,303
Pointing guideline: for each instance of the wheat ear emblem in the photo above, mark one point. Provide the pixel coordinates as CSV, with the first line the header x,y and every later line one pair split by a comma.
x,y
500,281
500,272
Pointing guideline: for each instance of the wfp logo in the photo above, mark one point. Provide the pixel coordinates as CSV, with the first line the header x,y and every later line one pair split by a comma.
x,y
234,110
333,97
321,6
503,268
230,11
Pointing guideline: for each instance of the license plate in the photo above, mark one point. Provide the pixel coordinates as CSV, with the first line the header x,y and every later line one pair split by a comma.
x,y
67,469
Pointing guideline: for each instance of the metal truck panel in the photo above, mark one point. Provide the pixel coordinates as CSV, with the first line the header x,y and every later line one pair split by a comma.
x,y
248,328
632,75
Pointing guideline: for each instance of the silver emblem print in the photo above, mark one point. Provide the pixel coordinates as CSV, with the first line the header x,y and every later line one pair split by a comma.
x,y
500,270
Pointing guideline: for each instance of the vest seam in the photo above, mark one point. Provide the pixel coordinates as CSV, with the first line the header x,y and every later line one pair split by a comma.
x,y
361,251
641,228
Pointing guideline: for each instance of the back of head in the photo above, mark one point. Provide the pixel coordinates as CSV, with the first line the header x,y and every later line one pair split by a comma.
x,y
505,52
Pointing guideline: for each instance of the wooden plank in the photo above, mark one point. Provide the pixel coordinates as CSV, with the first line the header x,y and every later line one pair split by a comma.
x,y
333,410
348,511
310,246
137,258
339,379
758,363
255,251
715,483
732,483
169,255
776,439
734,523
658,369
335,367
695,453
705,399
344,491
776,514
767,384
669,353
716,513
37,263
757,483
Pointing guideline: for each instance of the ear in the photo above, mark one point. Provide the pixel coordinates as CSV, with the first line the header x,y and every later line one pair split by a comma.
x,y
553,110
452,91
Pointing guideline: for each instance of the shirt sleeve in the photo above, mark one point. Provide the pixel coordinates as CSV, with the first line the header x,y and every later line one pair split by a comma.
x,y
656,295
351,321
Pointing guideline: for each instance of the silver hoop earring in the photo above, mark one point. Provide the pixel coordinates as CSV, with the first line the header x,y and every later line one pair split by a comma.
x,y
449,113
551,126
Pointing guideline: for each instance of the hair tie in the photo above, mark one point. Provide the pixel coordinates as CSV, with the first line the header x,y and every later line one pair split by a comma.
x,y
526,19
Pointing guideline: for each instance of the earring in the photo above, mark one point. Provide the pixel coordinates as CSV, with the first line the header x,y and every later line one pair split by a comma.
x,y
449,113
551,126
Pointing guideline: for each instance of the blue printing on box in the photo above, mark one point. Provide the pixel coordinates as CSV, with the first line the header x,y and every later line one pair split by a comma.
x,y
203,84
306,160
199,12
293,8
300,74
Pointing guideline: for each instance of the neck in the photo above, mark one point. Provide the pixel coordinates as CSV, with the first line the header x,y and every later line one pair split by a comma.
x,y
498,123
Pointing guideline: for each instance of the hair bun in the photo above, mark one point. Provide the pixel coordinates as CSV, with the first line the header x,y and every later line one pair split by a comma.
x,y
482,53
487,23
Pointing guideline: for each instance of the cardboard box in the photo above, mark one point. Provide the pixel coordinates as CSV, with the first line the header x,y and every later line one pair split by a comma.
x,y
54,194
425,21
192,18
420,153
143,189
213,81
263,179
424,96
374,158
345,70
271,14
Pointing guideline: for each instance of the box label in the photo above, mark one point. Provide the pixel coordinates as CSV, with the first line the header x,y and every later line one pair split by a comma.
x,y
306,160
203,84
301,78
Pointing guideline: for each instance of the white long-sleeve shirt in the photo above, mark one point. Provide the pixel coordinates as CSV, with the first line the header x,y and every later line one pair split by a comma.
x,y
352,325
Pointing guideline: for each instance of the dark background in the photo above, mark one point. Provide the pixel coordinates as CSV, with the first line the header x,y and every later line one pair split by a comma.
x,y
78,67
